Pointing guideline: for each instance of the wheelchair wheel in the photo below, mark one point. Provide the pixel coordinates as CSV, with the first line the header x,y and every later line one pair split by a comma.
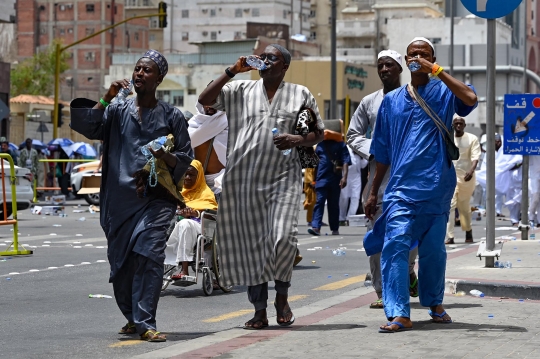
x,y
169,269
217,273
207,285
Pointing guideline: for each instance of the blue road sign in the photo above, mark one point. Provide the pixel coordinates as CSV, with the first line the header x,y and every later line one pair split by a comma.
x,y
521,124
491,9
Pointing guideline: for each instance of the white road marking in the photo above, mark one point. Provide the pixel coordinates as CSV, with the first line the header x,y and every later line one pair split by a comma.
x,y
34,270
69,265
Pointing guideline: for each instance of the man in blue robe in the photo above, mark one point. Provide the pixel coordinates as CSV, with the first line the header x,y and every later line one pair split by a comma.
x,y
135,227
422,181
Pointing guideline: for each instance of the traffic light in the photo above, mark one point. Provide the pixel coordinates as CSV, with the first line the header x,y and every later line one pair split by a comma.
x,y
163,14
59,121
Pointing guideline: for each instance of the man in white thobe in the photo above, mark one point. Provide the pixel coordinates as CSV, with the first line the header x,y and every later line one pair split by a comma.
x,y
469,153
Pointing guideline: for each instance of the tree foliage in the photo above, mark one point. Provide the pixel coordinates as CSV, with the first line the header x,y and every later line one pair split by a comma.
x,y
35,75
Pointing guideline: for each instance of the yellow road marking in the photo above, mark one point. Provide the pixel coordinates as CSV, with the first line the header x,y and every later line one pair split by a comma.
x,y
242,312
342,283
230,315
125,343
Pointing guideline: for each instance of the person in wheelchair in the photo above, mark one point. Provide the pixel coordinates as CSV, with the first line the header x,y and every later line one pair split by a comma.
x,y
198,197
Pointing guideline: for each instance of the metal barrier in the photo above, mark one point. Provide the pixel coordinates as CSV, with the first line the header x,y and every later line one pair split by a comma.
x,y
13,179
56,188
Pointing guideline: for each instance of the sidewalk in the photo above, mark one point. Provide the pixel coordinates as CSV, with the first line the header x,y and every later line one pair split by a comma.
x,y
466,272
345,327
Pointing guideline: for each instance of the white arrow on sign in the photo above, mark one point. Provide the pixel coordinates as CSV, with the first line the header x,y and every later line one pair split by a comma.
x,y
481,5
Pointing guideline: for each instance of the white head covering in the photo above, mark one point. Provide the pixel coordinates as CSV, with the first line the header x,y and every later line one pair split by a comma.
x,y
392,54
424,40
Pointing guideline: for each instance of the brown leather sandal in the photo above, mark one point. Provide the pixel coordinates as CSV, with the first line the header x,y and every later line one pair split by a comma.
x,y
129,328
153,336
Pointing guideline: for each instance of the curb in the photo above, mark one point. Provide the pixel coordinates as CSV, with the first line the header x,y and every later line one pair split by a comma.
x,y
494,289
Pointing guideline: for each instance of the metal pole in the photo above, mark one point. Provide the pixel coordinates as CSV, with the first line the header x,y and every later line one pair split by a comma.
x,y
58,52
451,38
171,43
333,70
490,150
525,166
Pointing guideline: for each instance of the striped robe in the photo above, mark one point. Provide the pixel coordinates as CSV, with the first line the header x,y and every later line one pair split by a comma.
x,y
259,206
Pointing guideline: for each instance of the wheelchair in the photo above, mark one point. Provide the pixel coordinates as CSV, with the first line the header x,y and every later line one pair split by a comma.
x,y
205,262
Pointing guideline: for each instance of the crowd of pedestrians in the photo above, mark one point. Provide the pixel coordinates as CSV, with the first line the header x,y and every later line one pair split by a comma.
x,y
243,153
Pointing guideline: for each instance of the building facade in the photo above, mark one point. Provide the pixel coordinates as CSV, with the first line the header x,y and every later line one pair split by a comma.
x,y
198,21
41,21
147,7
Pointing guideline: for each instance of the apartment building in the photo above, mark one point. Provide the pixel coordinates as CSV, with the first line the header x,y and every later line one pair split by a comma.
x,y
147,7
198,21
41,21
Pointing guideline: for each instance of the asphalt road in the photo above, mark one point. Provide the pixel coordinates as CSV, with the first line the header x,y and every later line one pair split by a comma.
x,y
45,311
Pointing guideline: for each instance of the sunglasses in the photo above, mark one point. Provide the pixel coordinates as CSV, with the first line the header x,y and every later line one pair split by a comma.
x,y
270,57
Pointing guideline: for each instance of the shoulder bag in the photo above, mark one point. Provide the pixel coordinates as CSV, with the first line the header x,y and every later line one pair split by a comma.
x,y
306,123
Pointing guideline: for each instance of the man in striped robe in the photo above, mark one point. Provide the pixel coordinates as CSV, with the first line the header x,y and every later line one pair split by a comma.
x,y
262,186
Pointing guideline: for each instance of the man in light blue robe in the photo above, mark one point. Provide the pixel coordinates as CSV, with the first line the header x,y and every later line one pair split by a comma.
x,y
417,199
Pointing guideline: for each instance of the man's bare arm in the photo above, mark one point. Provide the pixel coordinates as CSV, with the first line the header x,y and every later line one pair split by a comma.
x,y
371,205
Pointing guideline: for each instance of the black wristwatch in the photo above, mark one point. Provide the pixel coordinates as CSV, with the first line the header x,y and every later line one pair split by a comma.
x,y
229,73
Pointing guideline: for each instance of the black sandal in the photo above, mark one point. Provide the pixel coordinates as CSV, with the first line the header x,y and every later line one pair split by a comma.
x,y
250,324
283,314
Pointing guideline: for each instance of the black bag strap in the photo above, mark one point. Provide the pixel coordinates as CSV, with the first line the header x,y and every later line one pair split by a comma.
x,y
432,114
208,155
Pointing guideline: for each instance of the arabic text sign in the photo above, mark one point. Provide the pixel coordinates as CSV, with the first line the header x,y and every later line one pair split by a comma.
x,y
491,9
521,124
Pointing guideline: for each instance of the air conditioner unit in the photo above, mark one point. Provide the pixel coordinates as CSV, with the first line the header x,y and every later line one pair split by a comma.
x,y
69,6
190,65
204,11
246,10
205,33
62,8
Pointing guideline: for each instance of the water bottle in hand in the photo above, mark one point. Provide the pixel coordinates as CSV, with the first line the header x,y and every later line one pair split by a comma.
x,y
414,66
123,93
255,62
275,132
155,145
476,293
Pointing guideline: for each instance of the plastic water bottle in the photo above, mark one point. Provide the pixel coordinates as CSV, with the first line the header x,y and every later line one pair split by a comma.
x,y
499,264
123,93
367,283
255,62
339,252
155,145
99,296
275,132
476,293
414,66
508,264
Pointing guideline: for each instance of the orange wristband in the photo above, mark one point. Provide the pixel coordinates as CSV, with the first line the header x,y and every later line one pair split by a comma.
x,y
434,69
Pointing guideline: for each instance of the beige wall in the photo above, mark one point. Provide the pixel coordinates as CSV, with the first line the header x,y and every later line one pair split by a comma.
x,y
353,80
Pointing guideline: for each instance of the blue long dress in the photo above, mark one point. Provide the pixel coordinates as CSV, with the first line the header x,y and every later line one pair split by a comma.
x,y
417,199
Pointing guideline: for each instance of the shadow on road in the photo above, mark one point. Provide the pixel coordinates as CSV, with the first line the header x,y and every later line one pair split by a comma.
x,y
471,327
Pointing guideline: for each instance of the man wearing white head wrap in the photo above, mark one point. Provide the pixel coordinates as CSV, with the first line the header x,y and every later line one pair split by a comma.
x,y
420,188
208,131
389,67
